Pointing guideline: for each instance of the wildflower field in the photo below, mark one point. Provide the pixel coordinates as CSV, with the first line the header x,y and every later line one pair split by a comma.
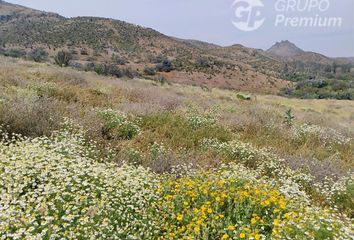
x,y
88,157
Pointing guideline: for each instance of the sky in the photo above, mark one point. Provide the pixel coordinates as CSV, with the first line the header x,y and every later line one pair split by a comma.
x,y
212,20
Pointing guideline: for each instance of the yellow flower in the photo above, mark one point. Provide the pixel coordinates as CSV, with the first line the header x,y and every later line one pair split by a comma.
x,y
257,237
225,236
276,222
242,235
182,229
223,195
185,203
179,217
231,228
197,229
217,199
210,211
253,221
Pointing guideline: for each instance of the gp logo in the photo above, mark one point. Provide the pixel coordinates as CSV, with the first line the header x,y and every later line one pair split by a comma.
x,y
248,14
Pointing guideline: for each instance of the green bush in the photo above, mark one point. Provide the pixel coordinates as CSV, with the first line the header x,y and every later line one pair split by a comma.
x,y
321,89
117,125
62,58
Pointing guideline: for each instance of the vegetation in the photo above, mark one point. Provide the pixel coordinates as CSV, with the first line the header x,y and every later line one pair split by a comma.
x,y
84,156
62,58
289,118
149,71
164,66
321,89
37,55
15,53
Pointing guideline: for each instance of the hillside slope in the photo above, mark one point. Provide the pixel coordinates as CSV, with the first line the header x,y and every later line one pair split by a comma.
x,y
99,39
94,41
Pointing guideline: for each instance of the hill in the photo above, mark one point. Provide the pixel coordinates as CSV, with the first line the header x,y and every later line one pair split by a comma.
x,y
285,49
92,39
113,47
288,51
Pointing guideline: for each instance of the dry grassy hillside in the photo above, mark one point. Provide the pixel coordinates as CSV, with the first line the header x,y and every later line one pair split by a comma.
x,y
100,40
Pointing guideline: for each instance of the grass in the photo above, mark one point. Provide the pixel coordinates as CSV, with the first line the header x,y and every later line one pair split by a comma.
x,y
199,164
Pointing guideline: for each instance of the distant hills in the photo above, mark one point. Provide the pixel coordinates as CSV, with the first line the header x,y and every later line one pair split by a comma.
x,y
101,40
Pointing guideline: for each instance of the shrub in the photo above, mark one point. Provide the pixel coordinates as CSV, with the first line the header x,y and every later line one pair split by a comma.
x,y
83,52
289,118
34,116
37,55
160,79
243,96
117,125
116,59
164,66
62,58
149,71
15,53
110,70
203,63
198,121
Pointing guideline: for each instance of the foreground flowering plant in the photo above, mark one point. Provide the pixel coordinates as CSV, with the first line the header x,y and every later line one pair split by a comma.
x,y
229,204
52,189
56,188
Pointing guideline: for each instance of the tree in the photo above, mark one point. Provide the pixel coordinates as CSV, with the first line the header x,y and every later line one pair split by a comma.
x,y
62,58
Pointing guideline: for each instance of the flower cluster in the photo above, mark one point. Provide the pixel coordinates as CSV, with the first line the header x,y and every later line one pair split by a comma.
x,y
295,184
54,188
157,150
230,204
118,125
198,121
51,189
328,136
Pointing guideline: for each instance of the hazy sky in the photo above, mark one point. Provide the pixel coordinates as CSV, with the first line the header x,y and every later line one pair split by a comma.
x,y
211,20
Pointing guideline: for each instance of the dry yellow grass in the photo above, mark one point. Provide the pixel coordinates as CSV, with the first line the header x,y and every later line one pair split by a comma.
x,y
333,113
